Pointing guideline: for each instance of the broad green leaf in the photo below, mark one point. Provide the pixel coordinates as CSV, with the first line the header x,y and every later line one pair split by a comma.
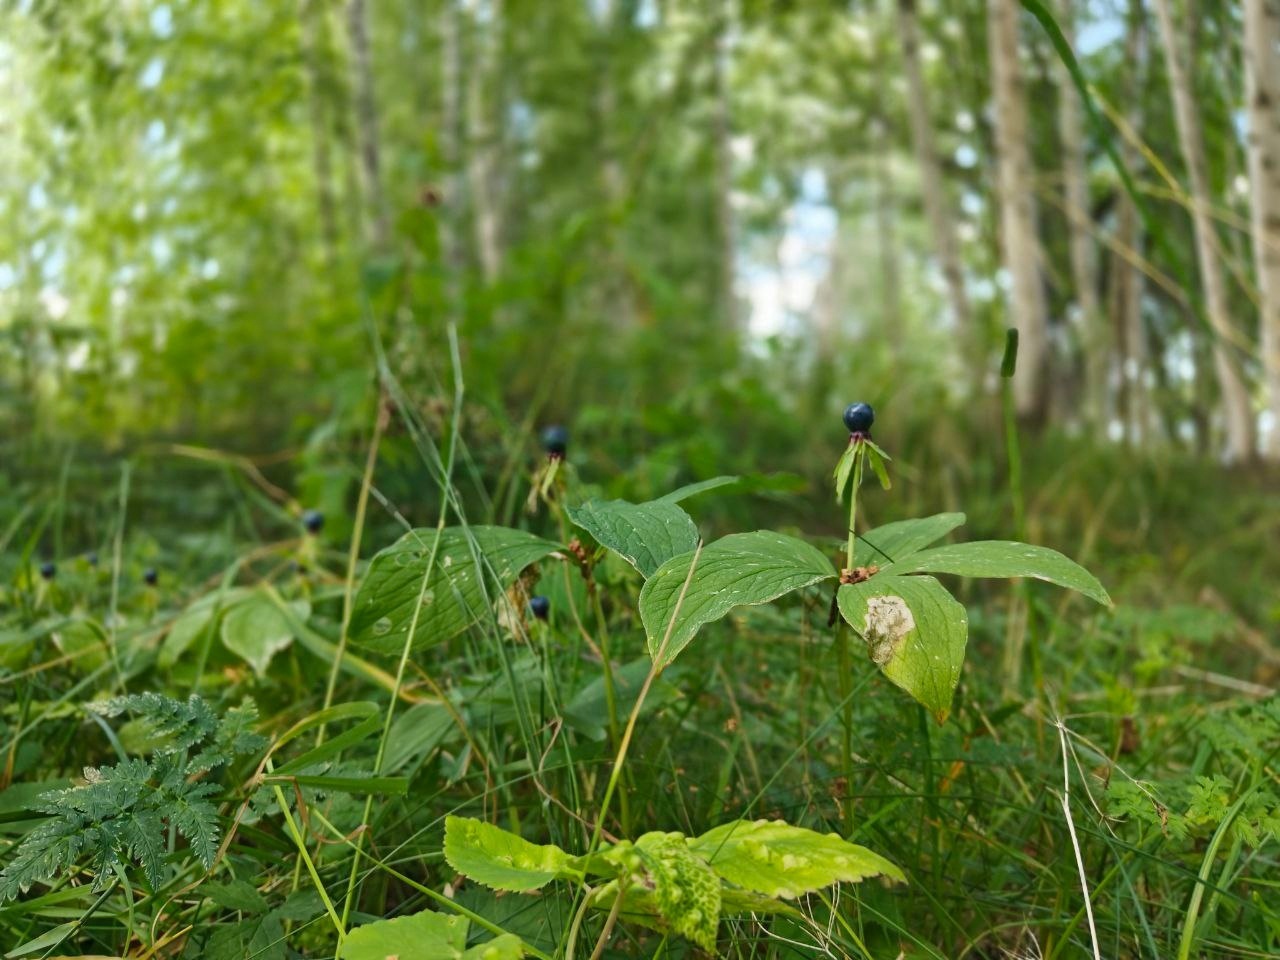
x,y
702,486
425,936
900,539
915,631
1004,558
193,621
500,859
740,569
646,535
85,642
255,629
668,887
775,859
588,711
236,895
456,593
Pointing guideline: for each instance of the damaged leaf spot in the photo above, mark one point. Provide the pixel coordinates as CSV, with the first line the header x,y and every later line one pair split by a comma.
x,y
888,622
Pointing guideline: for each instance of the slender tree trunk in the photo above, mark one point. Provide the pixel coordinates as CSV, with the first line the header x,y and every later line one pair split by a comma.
x,y
936,208
1019,242
1094,334
482,136
721,131
451,248
1262,96
887,231
311,16
1135,355
367,122
1235,394
619,303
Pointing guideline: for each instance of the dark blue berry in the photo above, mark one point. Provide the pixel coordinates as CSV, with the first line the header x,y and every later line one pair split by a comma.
x,y
150,576
859,417
92,558
48,569
555,440
313,520
539,606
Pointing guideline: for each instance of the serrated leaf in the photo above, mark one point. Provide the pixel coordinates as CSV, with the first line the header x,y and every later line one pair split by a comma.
x,y
686,893
1004,558
776,859
646,535
701,486
898,540
915,631
737,570
500,859
255,629
425,936
455,596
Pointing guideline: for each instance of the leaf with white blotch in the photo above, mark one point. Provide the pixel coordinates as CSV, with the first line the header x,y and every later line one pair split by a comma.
x,y
499,859
255,629
902,538
915,632
1004,558
738,570
646,535
456,594
701,486
425,936
776,859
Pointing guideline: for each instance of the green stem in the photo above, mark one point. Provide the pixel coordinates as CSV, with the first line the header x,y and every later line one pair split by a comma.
x,y
859,456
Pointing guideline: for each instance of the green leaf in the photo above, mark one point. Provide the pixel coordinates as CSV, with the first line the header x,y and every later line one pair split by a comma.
x,y
877,460
256,630
646,535
900,539
740,569
456,593
915,631
499,859
775,859
425,936
193,621
668,887
358,785
85,642
702,486
844,467
1004,558
236,895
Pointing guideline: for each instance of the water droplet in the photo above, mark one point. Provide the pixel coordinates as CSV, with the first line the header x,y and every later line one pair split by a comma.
x,y
382,626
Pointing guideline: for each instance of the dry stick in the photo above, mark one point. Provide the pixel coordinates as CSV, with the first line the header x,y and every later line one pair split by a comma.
x,y
1075,842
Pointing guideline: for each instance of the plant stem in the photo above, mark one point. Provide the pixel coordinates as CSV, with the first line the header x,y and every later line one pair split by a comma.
x,y
859,456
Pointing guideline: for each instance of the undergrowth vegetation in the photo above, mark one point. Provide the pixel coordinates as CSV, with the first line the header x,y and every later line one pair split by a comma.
x,y
568,711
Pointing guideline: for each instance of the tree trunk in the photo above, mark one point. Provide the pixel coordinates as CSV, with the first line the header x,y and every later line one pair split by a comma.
x,y
936,208
312,32
1235,394
721,131
1019,243
887,231
1131,281
482,136
367,122
1262,100
451,249
1094,335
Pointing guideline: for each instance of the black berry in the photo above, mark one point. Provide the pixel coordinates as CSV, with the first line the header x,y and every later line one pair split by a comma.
x,y
150,576
48,570
313,521
859,417
92,558
539,606
555,440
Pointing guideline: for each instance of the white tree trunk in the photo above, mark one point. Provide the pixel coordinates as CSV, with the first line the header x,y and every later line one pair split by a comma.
x,y
482,156
1095,337
936,208
367,121
721,131
1019,243
1262,96
1134,351
1237,408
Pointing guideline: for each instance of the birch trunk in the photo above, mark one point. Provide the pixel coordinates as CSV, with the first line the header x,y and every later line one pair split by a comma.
x,y
1235,394
367,121
721,130
937,211
481,163
1262,100
1094,334
1019,243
